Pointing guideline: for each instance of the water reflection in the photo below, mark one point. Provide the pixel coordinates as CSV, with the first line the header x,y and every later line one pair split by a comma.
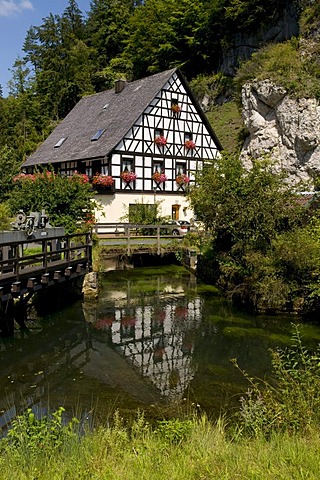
x,y
154,337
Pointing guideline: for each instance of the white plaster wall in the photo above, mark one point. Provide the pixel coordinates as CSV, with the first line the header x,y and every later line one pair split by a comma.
x,y
110,208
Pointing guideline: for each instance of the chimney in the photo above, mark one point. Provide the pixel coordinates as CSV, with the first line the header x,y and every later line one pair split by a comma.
x,y
119,85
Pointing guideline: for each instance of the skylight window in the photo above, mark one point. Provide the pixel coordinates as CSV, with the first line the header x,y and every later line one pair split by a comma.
x,y
97,135
61,141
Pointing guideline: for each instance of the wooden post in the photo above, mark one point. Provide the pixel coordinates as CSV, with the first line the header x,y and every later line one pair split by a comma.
x,y
158,240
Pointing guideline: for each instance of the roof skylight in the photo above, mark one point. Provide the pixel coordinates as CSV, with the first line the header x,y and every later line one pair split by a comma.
x,y
61,141
97,135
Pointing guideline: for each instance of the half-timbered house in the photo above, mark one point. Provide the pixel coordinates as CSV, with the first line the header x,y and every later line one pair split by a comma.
x,y
142,141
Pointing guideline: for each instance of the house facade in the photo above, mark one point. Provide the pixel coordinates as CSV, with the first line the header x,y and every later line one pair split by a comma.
x,y
143,142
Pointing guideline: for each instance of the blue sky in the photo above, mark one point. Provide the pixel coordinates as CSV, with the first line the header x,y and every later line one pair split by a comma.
x,y
16,17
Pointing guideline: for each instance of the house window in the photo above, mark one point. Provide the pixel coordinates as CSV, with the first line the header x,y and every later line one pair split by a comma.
x,y
127,164
181,167
60,142
96,167
158,132
68,168
158,166
97,135
187,136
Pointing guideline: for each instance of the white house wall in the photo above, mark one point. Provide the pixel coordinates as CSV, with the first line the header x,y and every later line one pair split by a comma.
x,y
112,207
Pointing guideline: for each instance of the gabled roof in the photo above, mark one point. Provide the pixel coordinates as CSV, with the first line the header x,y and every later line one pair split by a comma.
x,y
114,113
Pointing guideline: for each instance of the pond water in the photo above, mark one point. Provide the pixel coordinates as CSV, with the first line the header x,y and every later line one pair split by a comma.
x,y
157,339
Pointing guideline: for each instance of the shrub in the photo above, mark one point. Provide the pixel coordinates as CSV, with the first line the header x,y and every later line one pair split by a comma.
x,y
29,433
290,401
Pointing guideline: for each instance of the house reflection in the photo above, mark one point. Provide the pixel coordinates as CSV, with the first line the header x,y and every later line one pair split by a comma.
x,y
158,340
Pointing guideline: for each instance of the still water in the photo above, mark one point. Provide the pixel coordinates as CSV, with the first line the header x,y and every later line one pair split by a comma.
x,y
157,340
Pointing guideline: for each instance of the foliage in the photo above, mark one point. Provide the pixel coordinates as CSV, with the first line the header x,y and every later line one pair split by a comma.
x,y
290,401
5,216
144,213
66,200
297,70
29,433
255,226
228,125
9,167
174,430
207,450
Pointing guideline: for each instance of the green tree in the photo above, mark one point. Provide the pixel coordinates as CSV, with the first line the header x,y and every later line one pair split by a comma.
x,y
106,33
247,212
9,167
67,201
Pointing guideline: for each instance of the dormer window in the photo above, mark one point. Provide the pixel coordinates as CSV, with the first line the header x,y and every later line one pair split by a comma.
x,y
97,135
61,141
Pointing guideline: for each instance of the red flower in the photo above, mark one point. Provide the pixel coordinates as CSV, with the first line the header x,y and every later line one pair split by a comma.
x,y
175,108
159,177
23,177
81,177
102,180
128,176
182,179
160,141
189,144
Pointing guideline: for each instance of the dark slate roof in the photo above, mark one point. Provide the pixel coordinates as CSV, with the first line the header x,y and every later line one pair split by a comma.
x,y
89,116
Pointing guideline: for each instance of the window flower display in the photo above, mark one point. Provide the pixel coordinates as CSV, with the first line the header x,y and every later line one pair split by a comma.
x,y
189,144
159,177
182,179
101,180
175,108
160,140
128,176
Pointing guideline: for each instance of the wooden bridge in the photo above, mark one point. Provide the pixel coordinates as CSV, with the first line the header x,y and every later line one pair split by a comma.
x,y
28,265
131,238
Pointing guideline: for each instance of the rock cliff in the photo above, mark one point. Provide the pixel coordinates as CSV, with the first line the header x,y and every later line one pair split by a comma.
x,y
286,128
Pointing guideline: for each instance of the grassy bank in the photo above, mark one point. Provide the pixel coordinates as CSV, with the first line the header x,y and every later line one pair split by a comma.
x,y
194,449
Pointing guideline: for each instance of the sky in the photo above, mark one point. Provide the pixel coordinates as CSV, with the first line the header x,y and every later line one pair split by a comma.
x,y
16,17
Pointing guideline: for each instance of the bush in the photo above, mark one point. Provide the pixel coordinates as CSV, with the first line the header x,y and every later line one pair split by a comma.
x,y
290,401
29,433
66,200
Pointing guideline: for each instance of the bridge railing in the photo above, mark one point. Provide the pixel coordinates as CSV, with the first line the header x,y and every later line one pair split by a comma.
x,y
129,235
19,258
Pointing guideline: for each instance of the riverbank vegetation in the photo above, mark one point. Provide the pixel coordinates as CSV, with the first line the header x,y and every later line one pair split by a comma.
x,y
256,221
274,435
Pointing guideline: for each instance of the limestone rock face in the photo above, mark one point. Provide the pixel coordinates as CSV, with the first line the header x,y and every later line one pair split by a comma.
x,y
288,129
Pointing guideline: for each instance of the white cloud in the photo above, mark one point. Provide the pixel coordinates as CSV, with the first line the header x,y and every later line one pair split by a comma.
x,y
10,7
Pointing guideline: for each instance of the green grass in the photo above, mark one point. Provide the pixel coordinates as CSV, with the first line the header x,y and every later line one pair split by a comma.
x,y
193,450
227,123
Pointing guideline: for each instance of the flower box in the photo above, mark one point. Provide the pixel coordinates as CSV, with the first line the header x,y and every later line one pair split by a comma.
x,y
159,177
128,176
175,108
102,181
160,141
182,179
189,144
